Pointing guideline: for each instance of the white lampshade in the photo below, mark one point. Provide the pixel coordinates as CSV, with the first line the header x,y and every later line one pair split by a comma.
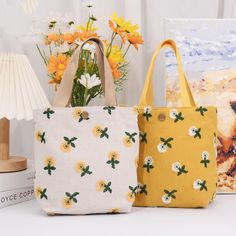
x,y
20,90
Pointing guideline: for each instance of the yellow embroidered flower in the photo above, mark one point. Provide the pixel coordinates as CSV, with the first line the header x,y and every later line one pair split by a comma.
x,y
76,113
130,197
57,64
37,192
79,166
67,202
38,135
114,210
100,185
113,155
127,142
65,147
50,161
97,130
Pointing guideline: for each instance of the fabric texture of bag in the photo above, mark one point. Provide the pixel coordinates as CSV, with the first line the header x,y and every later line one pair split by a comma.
x,y
86,157
177,158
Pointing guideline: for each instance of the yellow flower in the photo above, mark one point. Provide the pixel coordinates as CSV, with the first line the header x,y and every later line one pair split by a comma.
x,y
57,64
37,192
76,113
79,166
113,155
130,197
38,135
65,147
97,130
127,142
50,160
115,54
100,185
122,23
67,203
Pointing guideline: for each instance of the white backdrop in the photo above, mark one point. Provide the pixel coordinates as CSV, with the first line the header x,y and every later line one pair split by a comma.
x,y
149,14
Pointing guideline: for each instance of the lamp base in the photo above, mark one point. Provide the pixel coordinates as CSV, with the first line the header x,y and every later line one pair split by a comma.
x,y
13,164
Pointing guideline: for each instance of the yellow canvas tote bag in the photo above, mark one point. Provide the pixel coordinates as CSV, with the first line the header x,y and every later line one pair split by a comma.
x,y
177,165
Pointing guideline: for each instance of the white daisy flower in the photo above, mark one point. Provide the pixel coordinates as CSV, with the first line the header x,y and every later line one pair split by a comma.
x,y
192,130
197,184
173,113
147,109
148,160
162,148
166,199
176,166
91,48
205,155
89,81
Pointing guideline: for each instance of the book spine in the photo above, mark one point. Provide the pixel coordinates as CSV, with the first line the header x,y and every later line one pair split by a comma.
x,y
11,197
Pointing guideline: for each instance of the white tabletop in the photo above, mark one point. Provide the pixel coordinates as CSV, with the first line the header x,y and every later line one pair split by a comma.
x,y
218,219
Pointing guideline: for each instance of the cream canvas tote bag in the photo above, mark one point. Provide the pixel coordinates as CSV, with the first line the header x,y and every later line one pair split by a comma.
x,y
86,156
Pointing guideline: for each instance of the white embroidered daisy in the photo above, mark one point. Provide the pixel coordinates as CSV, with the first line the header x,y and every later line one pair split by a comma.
x,y
162,148
147,109
192,130
205,155
197,184
166,199
176,166
148,160
139,187
173,113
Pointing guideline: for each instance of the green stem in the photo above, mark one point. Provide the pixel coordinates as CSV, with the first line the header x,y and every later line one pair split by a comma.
x,y
127,50
41,54
110,45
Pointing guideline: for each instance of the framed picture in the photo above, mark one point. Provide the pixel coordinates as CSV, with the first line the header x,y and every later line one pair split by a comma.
x,y
208,49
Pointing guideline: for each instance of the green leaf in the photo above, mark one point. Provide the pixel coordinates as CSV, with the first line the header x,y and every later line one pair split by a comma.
x,y
66,139
74,200
72,145
127,133
68,194
166,191
163,140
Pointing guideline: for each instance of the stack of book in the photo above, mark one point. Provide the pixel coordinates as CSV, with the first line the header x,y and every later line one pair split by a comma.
x,y
17,187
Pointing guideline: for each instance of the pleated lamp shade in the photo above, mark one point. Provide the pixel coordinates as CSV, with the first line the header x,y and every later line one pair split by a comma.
x,y
20,94
20,90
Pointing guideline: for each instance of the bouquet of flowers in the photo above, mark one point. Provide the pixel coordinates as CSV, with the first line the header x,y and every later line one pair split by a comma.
x,y
63,38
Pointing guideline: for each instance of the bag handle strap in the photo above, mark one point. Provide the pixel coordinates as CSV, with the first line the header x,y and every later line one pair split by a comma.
x,y
63,95
185,92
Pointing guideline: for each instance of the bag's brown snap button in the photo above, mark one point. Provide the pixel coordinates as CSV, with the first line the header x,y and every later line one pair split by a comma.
x,y
85,115
161,117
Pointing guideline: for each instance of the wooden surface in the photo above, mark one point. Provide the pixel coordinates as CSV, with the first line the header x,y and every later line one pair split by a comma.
x,y
7,163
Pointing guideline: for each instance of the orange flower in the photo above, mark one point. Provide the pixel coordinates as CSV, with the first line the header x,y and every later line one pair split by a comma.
x,y
83,35
114,67
57,64
69,38
118,30
52,38
135,39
